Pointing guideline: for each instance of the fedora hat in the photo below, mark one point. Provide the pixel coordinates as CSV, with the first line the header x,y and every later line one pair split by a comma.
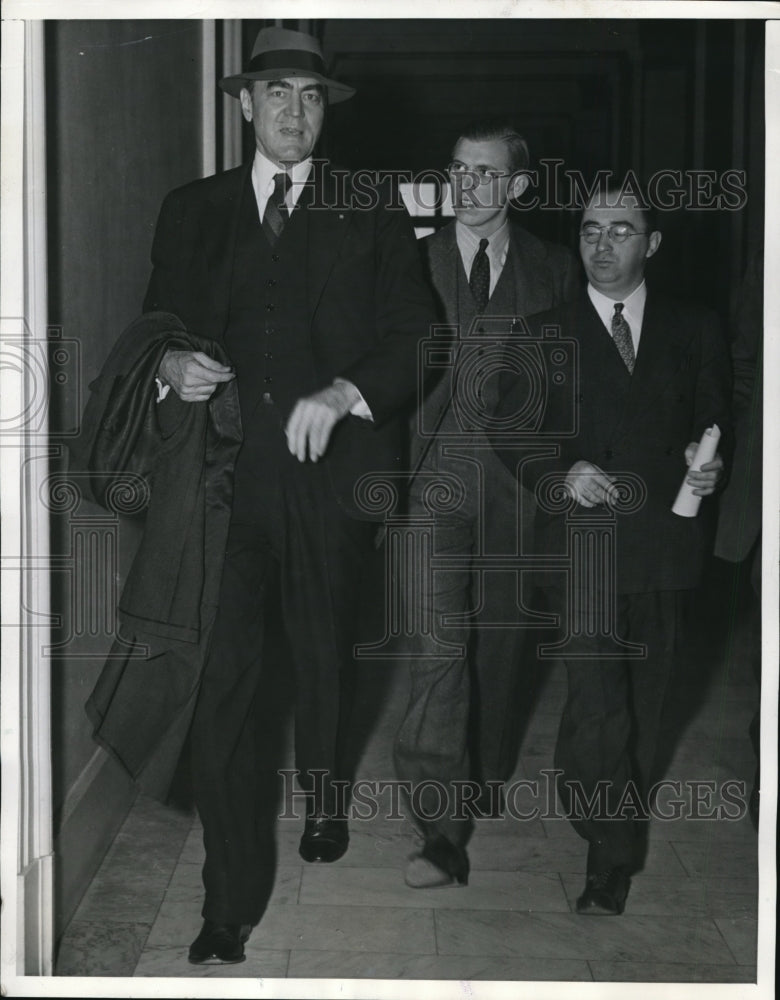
x,y
280,53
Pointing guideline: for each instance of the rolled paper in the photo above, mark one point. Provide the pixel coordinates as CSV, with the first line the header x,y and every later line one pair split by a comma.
x,y
687,503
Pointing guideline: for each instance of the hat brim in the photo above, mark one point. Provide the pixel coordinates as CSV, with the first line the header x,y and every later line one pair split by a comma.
x,y
233,85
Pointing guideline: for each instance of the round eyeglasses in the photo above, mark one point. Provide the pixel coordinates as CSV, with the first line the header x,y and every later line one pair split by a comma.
x,y
619,232
476,175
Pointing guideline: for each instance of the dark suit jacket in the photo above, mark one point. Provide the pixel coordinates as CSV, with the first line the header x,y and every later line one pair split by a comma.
x,y
544,275
367,299
639,423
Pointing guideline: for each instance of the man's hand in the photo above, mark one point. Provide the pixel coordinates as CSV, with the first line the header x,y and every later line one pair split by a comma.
x,y
588,484
705,479
314,417
193,375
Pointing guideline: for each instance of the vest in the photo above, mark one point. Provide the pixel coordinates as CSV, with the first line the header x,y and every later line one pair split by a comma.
x,y
267,338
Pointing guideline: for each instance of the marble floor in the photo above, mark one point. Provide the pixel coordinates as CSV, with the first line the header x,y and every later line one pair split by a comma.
x,y
691,915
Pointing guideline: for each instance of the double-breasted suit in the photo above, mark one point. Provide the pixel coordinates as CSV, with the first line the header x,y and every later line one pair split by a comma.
x,y
462,718
340,294
637,423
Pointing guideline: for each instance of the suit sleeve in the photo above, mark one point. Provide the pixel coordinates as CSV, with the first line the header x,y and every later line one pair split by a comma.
x,y
166,237
516,388
386,375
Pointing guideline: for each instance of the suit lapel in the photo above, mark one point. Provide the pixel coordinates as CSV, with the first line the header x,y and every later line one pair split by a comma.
x,y
327,227
604,379
219,230
444,262
532,280
662,351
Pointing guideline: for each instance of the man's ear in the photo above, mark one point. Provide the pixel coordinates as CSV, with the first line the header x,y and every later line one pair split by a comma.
x,y
518,184
653,243
247,105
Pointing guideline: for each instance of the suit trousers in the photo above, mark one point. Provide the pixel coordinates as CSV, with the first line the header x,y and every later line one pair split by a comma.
x,y
461,719
301,537
609,728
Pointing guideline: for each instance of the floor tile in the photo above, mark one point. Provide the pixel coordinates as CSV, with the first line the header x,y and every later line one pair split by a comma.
x,y
384,887
368,847
380,965
186,885
124,896
717,860
192,850
653,895
740,933
658,972
101,949
570,936
724,832
345,928
328,927
505,852
178,921
173,962
690,915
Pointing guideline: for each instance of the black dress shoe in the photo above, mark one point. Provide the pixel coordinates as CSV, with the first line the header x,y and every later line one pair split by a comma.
x,y
324,839
219,944
605,893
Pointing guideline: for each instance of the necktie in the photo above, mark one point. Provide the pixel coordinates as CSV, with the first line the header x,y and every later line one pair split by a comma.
x,y
621,334
479,279
276,213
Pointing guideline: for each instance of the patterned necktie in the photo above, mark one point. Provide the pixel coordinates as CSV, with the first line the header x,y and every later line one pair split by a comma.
x,y
479,279
276,213
621,334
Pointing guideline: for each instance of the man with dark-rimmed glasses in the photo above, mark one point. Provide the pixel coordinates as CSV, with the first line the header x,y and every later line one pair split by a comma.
x,y
653,376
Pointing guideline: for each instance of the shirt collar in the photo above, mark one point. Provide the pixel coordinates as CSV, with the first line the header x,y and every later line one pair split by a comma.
x,y
633,307
468,244
263,171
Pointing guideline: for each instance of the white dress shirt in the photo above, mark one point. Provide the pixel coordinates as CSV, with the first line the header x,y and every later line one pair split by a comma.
x,y
263,172
633,310
496,250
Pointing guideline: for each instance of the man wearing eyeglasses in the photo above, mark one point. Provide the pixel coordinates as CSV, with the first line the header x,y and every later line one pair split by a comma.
x,y
653,376
462,718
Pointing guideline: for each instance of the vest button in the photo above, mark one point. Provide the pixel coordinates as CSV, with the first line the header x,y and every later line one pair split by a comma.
x,y
275,258
268,355
270,307
268,379
270,329
271,282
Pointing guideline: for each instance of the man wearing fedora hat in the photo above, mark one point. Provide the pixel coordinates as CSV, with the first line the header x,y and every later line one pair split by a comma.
x,y
319,304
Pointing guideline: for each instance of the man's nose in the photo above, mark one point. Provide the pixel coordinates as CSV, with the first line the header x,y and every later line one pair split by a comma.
x,y
295,105
604,240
